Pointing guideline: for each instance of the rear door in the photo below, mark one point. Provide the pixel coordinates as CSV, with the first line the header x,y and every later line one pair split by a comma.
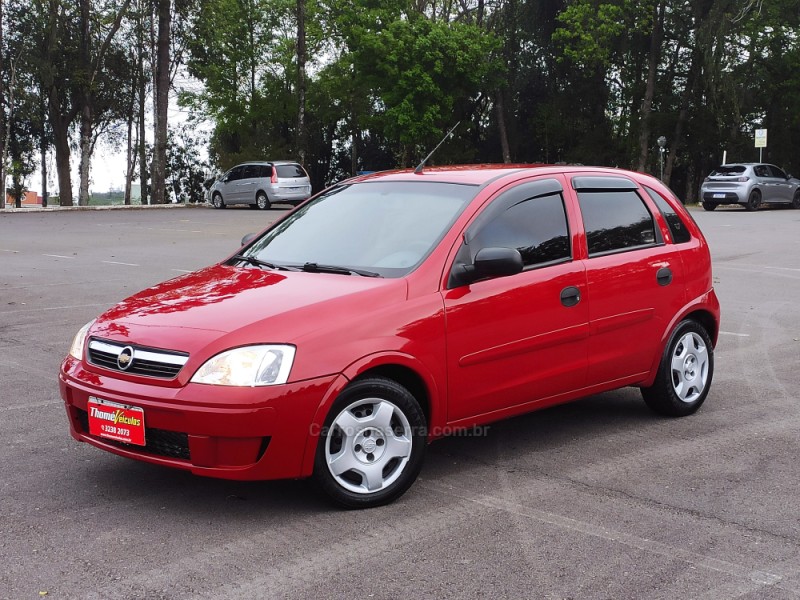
x,y
516,339
635,280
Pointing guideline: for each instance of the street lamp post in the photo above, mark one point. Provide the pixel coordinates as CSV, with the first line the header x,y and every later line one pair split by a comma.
x,y
662,142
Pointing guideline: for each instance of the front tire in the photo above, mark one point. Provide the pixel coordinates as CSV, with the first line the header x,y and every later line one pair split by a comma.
x,y
684,373
372,445
217,201
754,201
262,202
709,205
796,200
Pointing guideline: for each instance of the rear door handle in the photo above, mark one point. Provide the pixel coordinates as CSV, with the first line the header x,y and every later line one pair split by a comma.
x,y
664,276
570,296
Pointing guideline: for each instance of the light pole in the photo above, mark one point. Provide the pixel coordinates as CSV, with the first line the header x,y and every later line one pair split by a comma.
x,y
662,141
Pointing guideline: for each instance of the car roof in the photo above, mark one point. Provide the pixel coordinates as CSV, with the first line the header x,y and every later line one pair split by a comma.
x,y
483,173
267,162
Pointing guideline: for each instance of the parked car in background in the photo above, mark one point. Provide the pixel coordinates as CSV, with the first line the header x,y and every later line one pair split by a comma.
x,y
260,184
751,185
396,308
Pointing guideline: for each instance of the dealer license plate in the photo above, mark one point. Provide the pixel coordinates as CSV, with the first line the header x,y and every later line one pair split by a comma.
x,y
120,422
719,195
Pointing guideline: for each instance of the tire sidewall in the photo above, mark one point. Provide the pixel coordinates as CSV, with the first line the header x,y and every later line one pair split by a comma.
x,y
266,202
661,397
217,201
384,389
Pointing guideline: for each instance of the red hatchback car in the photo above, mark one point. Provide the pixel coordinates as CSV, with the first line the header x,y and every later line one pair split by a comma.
x,y
394,308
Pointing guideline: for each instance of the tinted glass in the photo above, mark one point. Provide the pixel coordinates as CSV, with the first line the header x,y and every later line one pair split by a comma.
x,y
761,171
676,225
264,171
536,227
251,171
776,172
728,170
383,227
288,171
236,173
616,220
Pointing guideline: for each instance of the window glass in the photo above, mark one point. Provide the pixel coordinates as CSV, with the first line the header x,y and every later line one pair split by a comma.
x,y
250,172
728,170
385,227
236,173
265,171
289,171
676,225
776,172
761,171
615,220
536,227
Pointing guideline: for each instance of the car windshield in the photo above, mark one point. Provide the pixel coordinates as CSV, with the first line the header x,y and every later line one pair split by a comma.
x,y
727,170
383,228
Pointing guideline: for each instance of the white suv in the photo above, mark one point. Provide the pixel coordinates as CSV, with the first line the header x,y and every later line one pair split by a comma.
x,y
259,184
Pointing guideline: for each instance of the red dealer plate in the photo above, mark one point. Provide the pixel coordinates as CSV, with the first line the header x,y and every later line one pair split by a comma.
x,y
120,422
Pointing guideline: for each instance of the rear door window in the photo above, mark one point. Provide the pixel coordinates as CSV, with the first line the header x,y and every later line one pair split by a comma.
x,y
251,171
615,220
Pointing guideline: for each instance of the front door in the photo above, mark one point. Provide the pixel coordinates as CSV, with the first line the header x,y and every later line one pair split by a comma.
x,y
521,338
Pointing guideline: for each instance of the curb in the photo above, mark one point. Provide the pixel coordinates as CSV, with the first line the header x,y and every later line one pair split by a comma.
x,y
39,209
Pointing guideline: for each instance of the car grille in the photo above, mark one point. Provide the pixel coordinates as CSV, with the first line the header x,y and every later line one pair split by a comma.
x,y
149,362
172,444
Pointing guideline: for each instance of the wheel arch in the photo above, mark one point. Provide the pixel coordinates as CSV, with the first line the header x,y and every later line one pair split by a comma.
x,y
401,368
700,313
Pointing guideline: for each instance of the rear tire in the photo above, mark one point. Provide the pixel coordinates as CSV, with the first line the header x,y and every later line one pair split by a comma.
x,y
372,446
796,200
709,205
684,373
262,201
754,201
217,201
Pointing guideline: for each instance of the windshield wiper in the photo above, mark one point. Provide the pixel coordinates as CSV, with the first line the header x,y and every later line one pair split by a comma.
x,y
252,260
310,267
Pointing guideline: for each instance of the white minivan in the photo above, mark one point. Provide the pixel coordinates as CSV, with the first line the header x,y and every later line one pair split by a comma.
x,y
259,184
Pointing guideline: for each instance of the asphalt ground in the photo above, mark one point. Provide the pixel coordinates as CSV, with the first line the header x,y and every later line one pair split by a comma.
x,y
595,499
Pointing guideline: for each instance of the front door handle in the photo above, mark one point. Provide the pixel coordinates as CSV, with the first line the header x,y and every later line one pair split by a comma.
x,y
664,276
570,296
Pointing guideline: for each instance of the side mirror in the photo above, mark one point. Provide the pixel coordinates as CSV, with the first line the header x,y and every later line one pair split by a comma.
x,y
489,262
788,177
248,238
498,262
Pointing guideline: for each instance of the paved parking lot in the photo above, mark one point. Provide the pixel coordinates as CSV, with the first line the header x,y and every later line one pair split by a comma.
x,y
596,499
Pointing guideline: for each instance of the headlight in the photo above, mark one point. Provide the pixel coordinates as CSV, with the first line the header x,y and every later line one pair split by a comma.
x,y
248,366
76,349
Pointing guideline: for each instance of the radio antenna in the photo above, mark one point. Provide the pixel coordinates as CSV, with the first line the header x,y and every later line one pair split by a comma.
x,y
421,165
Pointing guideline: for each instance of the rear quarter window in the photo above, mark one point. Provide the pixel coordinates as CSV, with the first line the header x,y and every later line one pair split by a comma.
x,y
677,228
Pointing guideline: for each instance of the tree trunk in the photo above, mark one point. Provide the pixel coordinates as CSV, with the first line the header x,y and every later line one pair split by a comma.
x,y
301,80
2,118
652,67
43,142
501,127
86,151
61,143
161,93
142,94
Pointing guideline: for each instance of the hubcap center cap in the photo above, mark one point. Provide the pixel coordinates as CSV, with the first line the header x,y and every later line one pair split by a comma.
x,y
369,445
690,366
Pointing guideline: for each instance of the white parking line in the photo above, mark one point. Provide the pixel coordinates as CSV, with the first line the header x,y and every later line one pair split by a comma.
x,y
114,262
736,334
58,256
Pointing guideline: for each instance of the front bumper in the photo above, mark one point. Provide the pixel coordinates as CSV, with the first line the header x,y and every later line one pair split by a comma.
x,y
232,433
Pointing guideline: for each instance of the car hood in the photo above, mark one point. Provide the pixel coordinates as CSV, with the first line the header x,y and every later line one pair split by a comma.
x,y
253,305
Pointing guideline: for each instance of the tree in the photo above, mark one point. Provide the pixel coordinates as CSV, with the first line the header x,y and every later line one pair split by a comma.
x,y
161,88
